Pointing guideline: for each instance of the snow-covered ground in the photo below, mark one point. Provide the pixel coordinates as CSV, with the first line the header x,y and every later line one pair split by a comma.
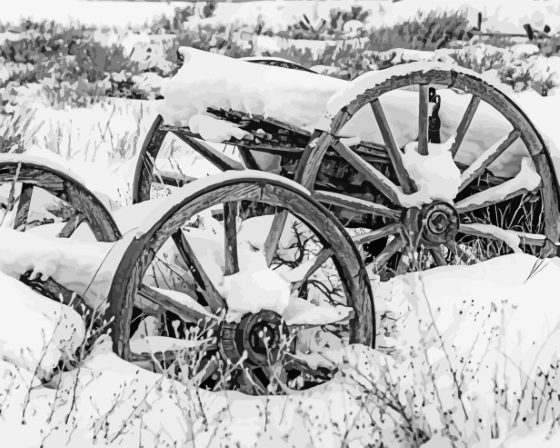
x,y
459,351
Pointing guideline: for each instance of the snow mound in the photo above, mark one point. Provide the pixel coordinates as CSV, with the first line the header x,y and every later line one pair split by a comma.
x,y
36,332
212,80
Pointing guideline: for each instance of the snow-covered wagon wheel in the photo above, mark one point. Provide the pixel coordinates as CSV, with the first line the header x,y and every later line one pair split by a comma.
x,y
246,325
430,200
32,187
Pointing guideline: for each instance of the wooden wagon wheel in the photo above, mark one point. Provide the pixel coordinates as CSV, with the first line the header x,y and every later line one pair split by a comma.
x,y
490,213
200,298
23,175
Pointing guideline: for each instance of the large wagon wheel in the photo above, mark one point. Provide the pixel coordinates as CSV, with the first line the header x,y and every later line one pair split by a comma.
x,y
21,176
194,295
490,216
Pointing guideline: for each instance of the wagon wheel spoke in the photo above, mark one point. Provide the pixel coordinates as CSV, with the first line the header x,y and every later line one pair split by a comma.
x,y
316,365
153,345
274,235
181,304
423,120
527,180
374,235
308,268
394,152
396,245
222,161
214,299
405,261
205,371
71,225
439,257
249,383
355,204
230,238
510,237
378,179
465,123
8,218
460,253
486,159
23,206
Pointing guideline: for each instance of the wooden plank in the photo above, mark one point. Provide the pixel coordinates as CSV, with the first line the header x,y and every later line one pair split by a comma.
x,y
423,116
230,238
355,204
213,298
378,179
394,152
23,207
487,158
465,123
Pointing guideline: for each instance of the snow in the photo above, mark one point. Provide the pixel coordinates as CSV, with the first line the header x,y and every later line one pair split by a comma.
x,y
214,130
52,331
509,237
436,175
463,302
526,180
208,79
162,344
302,312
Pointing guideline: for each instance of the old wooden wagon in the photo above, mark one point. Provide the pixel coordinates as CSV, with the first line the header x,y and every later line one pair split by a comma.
x,y
388,174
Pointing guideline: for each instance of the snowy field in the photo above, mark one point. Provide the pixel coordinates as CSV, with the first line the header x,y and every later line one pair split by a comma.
x,y
505,17
466,356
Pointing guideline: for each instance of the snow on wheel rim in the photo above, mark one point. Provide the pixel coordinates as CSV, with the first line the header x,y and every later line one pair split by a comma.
x,y
244,317
413,190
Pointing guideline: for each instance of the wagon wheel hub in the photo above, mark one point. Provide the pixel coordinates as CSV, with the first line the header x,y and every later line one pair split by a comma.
x,y
262,335
436,223
439,223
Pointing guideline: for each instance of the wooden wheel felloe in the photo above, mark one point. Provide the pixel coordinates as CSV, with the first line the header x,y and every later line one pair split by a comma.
x,y
518,212
22,176
256,308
